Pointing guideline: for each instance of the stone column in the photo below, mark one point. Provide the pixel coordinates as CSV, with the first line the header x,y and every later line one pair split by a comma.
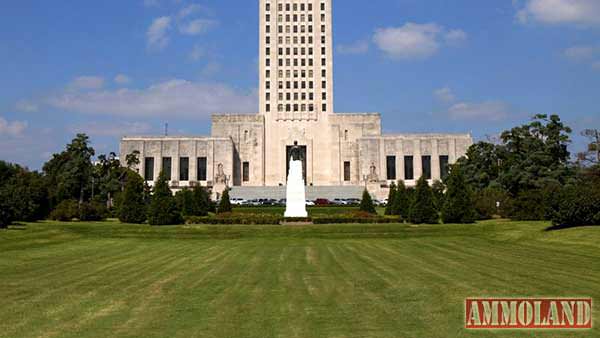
x,y
435,160
194,162
417,160
400,160
175,163
142,165
452,151
158,162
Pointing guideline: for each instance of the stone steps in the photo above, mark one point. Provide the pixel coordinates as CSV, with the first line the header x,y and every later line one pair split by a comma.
x,y
312,193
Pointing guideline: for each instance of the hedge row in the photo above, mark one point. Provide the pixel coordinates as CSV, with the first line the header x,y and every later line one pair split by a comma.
x,y
355,220
267,219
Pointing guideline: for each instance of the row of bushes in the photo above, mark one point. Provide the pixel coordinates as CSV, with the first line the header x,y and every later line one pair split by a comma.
x,y
245,219
451,201
69,210
268,219
571,205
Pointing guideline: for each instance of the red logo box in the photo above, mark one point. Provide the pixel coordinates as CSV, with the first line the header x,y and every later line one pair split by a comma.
x,y
528,313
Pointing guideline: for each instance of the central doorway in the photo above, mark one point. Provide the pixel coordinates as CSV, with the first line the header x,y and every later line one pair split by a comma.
x,y
288,152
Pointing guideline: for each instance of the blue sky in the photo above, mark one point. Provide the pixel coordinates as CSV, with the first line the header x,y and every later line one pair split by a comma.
x,y
110,68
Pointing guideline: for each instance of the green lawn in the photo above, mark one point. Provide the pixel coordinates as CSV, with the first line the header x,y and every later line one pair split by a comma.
x,y
113,280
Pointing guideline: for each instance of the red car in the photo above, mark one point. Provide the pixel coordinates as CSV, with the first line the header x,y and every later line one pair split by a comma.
x,y
322,201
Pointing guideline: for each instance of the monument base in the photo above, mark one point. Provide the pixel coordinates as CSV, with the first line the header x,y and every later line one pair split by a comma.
x,y
296,192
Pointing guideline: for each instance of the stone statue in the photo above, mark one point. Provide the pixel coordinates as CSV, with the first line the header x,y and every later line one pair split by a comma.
x,y
220,178
296,189
296,153
372,177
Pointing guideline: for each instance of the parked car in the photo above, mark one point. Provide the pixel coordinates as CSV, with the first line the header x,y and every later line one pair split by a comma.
x,y
340,201
310,203
380,203
353,201
254,202
237,201
322,201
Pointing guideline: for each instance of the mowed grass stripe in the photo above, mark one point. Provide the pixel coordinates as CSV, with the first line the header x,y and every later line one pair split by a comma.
x,y
147,313
104,283
527,260
111,280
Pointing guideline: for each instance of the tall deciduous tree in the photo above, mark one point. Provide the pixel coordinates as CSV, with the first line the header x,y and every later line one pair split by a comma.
x,y
69,173
24,193
109,178
592,154
536,154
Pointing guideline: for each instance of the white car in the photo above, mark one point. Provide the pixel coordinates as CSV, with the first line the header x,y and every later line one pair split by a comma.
x,y
310,203
238,201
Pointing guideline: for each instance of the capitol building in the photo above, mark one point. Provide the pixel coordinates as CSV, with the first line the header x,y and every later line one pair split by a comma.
x,y
342,152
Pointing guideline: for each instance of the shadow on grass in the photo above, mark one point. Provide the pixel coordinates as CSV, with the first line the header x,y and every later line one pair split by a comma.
x,y
565,226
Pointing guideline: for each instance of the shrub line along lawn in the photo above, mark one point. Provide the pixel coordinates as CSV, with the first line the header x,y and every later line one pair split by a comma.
x,y
391,280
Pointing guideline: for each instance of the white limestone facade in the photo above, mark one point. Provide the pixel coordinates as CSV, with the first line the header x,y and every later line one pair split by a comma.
x,y
296,106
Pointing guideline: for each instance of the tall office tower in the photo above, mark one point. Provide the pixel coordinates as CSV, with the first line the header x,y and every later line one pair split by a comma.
x,y
296,66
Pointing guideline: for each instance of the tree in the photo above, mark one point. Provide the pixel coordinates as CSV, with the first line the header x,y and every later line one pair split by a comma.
x,y
6,209
458,206
163,209
225,204
24,193
109,177
438,189
133,159
422,209
187,202
133,207
69,173
536,155
592,154
402,201
366,204
203,199
389,208
481,164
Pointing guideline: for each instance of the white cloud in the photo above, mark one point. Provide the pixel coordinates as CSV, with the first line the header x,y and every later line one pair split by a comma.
x,y
197,53
122,79
415,41
211,69
358,47
444,95
578,12
189,10
174,98
490,111
157,33
151,3
196,27
580,53
27,106
12,129
113,129
87,82
456,37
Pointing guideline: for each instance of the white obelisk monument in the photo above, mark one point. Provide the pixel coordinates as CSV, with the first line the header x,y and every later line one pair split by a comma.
x,y
296,191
